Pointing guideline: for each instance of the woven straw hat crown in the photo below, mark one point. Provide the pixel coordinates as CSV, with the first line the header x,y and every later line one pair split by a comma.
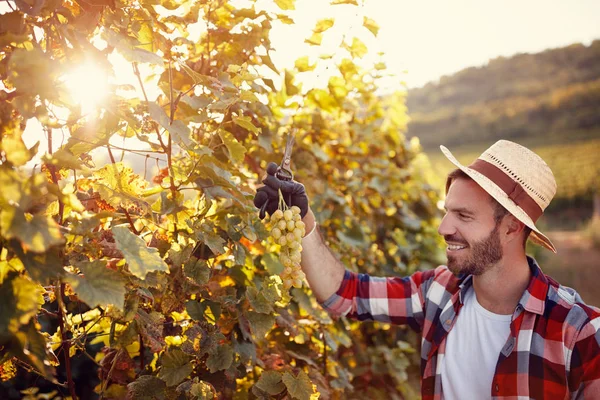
x,y
517,178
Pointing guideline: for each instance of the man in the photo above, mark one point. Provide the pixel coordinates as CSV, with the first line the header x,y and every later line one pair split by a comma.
x,y
492,324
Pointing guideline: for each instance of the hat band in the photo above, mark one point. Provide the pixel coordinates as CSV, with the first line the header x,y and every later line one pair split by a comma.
x,y
512,188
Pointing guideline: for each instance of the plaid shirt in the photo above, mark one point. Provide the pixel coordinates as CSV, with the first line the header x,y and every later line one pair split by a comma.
x,y
553,351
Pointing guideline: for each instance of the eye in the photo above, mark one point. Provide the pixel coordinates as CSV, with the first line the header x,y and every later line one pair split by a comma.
x,y
464,216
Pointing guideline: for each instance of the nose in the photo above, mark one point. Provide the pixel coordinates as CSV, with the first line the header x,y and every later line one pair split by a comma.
x,y
446,228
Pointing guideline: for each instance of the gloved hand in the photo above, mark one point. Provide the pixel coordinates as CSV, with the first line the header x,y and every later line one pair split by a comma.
x,y
267,197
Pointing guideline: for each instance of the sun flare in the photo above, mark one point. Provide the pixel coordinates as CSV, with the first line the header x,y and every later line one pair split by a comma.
x,y
87,85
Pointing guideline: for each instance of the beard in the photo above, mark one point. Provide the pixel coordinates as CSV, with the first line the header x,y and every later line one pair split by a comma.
x,y
483,255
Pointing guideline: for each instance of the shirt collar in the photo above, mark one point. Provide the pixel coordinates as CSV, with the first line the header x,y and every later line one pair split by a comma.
x,y
533,298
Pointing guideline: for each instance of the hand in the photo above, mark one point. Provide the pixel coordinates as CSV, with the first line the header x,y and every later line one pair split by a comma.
x,y
267,197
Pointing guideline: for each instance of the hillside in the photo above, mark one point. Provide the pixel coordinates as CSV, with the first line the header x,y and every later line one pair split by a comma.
x,y
547,97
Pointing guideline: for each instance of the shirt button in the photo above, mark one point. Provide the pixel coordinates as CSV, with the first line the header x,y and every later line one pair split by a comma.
x,y
448,321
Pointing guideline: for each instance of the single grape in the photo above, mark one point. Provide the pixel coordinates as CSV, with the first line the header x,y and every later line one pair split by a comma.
x,y
295,210
298,233
276,233
287,215
278,214
291,225
290,237
282,241
297,283
300,224
282,225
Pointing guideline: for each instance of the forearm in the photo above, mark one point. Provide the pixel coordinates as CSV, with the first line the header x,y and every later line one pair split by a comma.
x,y
323,271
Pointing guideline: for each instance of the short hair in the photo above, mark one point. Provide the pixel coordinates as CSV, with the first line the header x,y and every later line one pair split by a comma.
x,y
499,211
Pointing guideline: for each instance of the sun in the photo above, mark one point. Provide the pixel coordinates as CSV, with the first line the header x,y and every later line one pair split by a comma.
x,y
88,86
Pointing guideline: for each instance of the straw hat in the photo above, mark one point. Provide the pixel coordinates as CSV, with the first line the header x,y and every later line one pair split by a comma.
x,y
518,179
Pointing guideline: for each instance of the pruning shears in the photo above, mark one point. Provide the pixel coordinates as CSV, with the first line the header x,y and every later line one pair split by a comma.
x,y
284,172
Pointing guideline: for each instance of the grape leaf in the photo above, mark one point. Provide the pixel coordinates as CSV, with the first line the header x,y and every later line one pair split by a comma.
x,y
176,366
147,387
260,323
236,149
300,387
323,25
270,382
177,128
258,301
37,233
246,123
140,258
286,4
98,285
197,270
21,300
220,358
315,39
371,25
302,64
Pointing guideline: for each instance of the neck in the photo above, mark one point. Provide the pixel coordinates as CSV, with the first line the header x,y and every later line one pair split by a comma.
x,y
500,288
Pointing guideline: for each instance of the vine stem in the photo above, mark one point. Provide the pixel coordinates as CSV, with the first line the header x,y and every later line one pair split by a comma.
x,y
66,343
112,160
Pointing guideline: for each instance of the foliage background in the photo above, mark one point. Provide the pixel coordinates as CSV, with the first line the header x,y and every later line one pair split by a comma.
x,y
115,285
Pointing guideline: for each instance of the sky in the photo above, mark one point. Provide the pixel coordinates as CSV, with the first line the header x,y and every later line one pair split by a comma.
x,y
426,39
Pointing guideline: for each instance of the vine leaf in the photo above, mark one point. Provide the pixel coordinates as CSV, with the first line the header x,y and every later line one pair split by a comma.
x,y
140,258
220,358
271,382
371,25
98,285
176,366
236,149
147,387
177,128
37,233
300,387
260,323
286,4
21,300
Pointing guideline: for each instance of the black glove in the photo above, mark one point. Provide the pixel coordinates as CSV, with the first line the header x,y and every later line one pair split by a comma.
x,y
267,197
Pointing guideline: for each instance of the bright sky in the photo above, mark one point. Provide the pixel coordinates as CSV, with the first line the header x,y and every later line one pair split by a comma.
x,y
429,38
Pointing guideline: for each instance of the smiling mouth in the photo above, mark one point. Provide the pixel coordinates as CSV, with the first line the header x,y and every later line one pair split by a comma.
x,y
455,247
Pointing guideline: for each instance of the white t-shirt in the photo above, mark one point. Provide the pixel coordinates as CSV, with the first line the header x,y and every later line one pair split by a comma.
x,y
473,346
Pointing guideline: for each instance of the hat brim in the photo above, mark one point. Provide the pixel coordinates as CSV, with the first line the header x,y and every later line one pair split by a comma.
x,y
499,195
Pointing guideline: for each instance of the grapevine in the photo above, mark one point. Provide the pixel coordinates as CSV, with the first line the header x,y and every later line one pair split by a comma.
x,y
287,230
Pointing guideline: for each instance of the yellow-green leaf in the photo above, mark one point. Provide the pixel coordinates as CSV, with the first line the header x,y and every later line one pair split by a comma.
x,y
338,2
140,258
324,24
270,382
371,25
290,88
315,39
286,4
99,285
245,122
285,19
176,366
15,150
300,387
260,323
37,233
357,48
303,65
236,149
220,358
21,300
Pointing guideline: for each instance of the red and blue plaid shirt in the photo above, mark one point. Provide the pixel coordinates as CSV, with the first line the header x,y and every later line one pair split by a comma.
x,y
553,351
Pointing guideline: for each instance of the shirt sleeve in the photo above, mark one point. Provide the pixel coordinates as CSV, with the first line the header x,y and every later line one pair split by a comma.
x,y
395,300
584,376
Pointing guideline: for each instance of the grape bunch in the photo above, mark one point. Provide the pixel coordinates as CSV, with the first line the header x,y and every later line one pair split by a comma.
x,y
287,229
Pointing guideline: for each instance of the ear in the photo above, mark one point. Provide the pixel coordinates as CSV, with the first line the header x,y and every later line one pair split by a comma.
x,y
513,228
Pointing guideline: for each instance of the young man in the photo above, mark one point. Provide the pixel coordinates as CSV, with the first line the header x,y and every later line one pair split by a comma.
x,y
492,324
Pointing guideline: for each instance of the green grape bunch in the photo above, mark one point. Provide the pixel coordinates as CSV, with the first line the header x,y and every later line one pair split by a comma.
x,y
287,230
